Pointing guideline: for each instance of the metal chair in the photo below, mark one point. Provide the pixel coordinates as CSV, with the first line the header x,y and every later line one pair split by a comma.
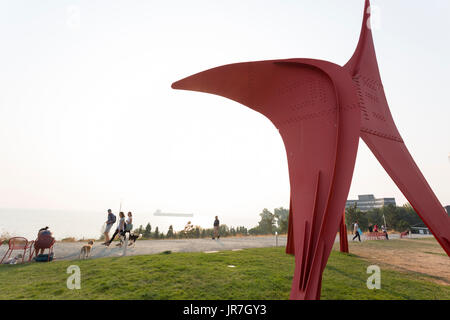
x,y
30,248
16,243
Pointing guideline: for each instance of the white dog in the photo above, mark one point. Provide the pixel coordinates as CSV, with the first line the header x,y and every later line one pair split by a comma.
x,y
14,260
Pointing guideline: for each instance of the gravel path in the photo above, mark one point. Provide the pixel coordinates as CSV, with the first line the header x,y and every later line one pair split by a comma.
x,y
71,250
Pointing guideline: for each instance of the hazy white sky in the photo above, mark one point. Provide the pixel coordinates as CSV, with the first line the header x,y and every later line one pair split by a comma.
x,y
87,115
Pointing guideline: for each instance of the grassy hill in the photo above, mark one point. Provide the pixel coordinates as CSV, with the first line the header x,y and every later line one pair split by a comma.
x,y
264,273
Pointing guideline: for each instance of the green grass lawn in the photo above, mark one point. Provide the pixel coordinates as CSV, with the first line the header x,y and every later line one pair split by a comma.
x,y
264,273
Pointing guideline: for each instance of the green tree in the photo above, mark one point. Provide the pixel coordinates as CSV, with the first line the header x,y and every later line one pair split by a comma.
x,y
392,216
197,232
353,214
170,232
254,231
397,218
412,217
148,231
224,231
282,216
242,231
139,230
156,233
267,222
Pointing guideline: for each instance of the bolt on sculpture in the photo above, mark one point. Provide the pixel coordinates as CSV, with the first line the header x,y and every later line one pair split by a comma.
x,y
321,110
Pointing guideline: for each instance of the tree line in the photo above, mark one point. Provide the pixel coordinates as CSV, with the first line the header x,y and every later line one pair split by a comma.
x,y
269,224
397,218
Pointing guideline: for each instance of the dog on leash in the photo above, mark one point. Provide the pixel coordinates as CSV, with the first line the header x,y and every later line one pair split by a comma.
x,y
86,250
133,237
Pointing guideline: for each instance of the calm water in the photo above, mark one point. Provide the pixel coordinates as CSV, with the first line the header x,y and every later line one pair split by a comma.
x,y
78,224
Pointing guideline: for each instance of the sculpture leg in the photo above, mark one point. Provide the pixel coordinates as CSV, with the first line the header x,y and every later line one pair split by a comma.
x,y
316,213
396,160
311,173
343,237
321,162
290,249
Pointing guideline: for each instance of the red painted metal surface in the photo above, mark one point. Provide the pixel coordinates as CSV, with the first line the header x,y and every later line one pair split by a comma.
x,y
343,237
16,243
321,109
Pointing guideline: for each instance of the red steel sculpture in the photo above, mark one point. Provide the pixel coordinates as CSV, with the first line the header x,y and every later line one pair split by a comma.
x,y
321,110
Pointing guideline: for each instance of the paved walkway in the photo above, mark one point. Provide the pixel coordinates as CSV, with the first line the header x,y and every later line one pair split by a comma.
x,y
71,250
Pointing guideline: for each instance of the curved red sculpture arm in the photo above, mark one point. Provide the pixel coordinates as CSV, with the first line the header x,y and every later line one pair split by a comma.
x,y
232,81
380,133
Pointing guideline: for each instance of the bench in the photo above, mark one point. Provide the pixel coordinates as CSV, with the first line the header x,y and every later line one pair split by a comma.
x,y
375,236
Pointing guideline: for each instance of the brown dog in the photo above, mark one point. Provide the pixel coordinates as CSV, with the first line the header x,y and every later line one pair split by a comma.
x,y
86,250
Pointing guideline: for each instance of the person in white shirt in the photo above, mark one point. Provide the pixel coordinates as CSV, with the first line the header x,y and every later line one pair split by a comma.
x,y
384,230
355,231
129,223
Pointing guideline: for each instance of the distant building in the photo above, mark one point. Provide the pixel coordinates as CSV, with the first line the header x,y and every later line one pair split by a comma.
x,y
448,209
367,201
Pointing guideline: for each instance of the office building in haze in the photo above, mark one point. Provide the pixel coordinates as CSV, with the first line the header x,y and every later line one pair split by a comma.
x,y
368,201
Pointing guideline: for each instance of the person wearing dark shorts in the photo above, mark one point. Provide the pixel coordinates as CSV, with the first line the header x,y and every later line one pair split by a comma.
x,y
109,223
216,228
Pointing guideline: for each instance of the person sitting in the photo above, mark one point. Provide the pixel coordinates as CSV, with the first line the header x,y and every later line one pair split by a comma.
x,y
44,240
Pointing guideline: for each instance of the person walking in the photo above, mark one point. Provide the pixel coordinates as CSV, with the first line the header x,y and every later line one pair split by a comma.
x,y
129,223
384,230
216,228
128,229
356,231
120,228
109,223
